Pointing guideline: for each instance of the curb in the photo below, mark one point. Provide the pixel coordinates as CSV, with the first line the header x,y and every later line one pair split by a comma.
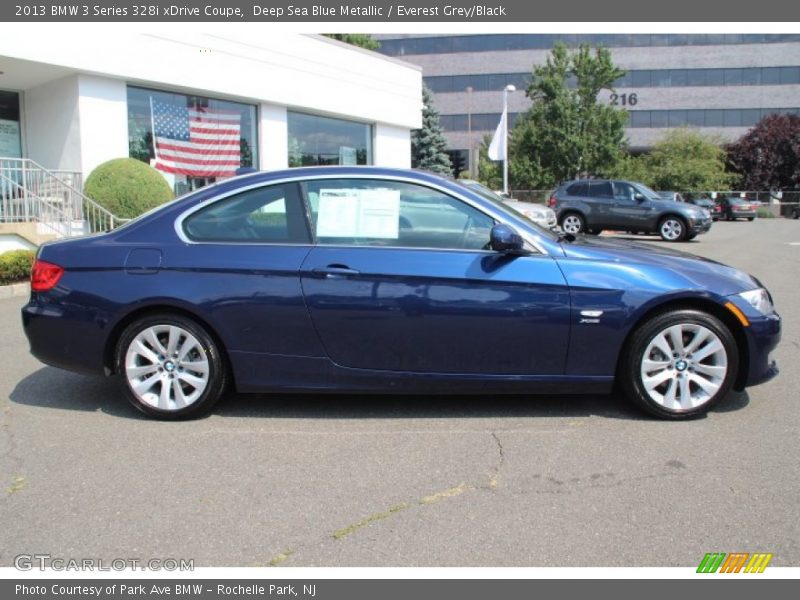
x,y
15,289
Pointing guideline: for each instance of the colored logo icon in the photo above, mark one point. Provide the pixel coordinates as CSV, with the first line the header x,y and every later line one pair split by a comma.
x,y
735,562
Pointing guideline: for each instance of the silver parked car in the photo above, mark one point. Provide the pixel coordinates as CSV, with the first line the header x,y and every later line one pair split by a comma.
x,y
539,214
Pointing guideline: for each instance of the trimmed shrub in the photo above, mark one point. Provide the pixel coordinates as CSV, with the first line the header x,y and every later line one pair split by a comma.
x,y
764,212
15,265
127,187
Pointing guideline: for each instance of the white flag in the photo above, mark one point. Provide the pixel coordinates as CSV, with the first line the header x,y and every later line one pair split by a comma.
x,y
497,149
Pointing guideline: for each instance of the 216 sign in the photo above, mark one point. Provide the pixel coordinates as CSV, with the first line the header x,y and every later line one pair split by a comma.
x,y
631,99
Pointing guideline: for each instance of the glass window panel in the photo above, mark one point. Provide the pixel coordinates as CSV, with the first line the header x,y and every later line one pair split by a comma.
x,y
750,116
640,78
695,118
790,75
677,118
714,118
696,77
660,78
316,140
715,77
171,113
271,214
733,118
659,118
770,75
400,215
751,76
639,118
659,39
733,77
678,77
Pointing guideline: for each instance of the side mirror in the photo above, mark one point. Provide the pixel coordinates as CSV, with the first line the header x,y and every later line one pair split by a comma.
x,y
639,197
505,238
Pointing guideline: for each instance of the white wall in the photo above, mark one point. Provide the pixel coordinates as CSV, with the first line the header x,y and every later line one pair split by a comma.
x,y
51,124
294,70
103,115
273,135
10,241
392,146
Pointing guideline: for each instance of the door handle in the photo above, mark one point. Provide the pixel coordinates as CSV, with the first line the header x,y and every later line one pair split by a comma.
x,y
334,271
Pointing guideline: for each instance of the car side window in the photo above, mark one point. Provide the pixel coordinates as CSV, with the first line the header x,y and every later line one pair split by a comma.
x,y
577,189
624,191
269,214
371,212
600,189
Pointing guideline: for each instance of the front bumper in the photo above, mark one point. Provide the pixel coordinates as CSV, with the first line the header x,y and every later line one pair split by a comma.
x,y
700,226
763,336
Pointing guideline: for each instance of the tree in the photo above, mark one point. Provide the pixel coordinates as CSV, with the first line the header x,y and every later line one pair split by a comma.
x,y
362,40
489,171
428,144
768,156
567,132
684,160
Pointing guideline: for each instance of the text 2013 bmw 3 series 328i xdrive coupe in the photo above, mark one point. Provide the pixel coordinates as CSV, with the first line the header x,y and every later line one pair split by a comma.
x,y
360,279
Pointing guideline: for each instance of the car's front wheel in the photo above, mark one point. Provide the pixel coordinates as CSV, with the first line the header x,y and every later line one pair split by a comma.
x,y
672,229
679,364
171,367
573,223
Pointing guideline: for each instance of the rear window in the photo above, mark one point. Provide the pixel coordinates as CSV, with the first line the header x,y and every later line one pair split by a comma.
x,y
600,189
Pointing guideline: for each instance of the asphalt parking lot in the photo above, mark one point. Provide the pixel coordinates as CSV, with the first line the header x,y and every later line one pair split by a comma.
x,y
409,481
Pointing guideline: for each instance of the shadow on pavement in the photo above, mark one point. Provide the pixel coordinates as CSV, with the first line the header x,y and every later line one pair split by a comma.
x,y
56,389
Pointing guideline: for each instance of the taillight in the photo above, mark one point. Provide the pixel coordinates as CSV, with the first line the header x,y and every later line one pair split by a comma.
x,y
551,202
45,276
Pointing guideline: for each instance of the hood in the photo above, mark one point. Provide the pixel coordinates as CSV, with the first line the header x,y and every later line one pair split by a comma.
x,y
523,207
690,210
696,271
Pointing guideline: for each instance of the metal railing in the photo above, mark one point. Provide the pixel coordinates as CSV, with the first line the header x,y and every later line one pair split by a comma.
x,y
31,193
783,202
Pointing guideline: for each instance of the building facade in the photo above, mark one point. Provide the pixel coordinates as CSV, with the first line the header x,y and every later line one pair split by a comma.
x,y
721,84
283,100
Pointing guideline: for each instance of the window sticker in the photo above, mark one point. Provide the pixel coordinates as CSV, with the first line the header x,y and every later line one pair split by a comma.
x,y
370,213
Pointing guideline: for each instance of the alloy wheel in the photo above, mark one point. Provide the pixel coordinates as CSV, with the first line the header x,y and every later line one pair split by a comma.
x,y
166,367
684,366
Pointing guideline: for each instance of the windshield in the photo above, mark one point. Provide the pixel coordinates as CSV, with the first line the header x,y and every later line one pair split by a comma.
x,y
648,193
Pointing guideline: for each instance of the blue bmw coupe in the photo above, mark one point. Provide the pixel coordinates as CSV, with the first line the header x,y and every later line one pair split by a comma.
x,y
363,279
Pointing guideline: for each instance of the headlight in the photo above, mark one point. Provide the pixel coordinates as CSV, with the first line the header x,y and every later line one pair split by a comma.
x,y
759,299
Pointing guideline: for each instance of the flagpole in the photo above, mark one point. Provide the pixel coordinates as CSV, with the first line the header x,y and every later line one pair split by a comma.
x,y
153,128
508,88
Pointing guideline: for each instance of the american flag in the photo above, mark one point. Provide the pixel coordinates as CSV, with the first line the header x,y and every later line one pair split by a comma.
x,y
199,142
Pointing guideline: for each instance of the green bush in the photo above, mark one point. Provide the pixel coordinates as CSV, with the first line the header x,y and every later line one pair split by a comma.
x,y
764,212
15,265
127,187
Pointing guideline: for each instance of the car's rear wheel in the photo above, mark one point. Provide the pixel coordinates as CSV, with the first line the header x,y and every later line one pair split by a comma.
x,y
672,229
573,223
679,364
750,218
171,367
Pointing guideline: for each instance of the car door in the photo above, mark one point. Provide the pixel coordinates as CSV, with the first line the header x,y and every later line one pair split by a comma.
x,y
401,279
241,261
601,199
628,213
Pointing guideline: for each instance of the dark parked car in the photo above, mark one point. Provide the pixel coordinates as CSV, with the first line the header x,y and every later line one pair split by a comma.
x,y
592,205
348,279
735,208
674,196
708,204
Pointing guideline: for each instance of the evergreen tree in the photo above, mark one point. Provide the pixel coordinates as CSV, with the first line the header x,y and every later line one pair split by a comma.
x,y
428,144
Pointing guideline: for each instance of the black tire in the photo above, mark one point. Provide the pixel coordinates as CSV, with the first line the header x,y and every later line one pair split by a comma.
x,y
750,218
630,378
672,229
201,350
691,236
796,214
595,231
575,222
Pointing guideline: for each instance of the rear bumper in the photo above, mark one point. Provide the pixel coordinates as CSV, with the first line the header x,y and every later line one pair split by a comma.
x,y
65,338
